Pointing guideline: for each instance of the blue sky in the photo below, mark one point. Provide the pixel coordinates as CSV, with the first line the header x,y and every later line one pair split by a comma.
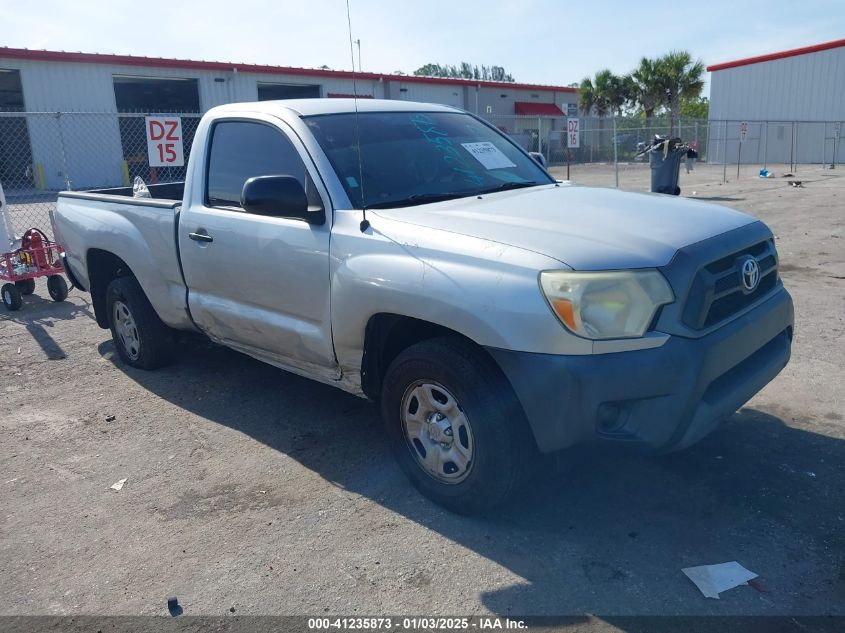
x,y
536,41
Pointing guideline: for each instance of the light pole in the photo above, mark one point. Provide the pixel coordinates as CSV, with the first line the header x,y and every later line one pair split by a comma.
x,y
358,42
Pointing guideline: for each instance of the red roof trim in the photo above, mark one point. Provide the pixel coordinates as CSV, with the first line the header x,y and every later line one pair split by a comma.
x,y
530,107
783,54
160,62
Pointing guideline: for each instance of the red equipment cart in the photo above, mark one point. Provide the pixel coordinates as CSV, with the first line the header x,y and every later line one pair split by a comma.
x,y
37,257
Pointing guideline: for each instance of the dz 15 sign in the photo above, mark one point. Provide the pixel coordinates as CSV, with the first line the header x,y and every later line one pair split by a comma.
x,y
164,141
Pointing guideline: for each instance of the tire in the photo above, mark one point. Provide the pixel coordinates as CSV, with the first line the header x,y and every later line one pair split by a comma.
x,y
141,338
57,287
26,287
12,298
483,432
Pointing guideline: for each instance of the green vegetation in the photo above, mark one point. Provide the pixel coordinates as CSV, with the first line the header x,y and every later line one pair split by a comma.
x,y
671,84
465,70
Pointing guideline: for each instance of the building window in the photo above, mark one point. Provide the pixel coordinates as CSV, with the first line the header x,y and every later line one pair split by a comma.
x,y
11,91
272,92
16,168
156,94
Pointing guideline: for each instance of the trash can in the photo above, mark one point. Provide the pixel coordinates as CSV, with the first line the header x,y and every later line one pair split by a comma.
x,y
664,157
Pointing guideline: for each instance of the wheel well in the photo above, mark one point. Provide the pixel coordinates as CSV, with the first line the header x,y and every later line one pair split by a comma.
x,y
103,266
385,337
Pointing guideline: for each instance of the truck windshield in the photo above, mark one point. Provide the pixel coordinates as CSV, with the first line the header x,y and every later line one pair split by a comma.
x,y
410,158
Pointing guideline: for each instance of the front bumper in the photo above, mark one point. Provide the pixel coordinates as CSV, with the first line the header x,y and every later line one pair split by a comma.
x,y
664,398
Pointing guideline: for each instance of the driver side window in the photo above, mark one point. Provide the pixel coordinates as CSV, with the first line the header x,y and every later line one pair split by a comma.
x,y
241,150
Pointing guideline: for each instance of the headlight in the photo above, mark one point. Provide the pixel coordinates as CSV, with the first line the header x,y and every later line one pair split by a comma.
x,y
602,305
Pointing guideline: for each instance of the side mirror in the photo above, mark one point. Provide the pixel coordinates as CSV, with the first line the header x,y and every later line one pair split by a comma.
x,y
539,158
280,197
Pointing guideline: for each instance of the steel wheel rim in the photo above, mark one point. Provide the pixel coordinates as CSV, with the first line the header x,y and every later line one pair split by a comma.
x,y
437,432
126,329
7,298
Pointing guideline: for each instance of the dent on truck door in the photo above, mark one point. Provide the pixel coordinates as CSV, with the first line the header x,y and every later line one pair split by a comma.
x,y
257,283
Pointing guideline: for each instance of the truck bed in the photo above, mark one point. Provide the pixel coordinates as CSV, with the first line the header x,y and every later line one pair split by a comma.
x,y
139,231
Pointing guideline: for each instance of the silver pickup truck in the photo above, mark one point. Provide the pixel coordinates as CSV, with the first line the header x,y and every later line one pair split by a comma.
x,y
413,254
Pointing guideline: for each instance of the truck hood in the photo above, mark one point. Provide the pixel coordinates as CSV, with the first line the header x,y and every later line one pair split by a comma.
x,y
585,228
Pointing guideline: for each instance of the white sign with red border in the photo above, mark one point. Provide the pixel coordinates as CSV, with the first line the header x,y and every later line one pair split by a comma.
x,y
573,137
164,141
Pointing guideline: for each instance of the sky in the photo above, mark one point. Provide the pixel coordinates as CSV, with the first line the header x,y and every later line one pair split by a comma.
x,y
548,42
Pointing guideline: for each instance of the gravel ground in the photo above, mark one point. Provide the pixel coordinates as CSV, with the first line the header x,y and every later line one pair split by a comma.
x,y
253,489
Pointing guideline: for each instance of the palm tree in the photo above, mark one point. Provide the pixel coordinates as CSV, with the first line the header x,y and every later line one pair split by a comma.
x,y
605,94
647,89
681,78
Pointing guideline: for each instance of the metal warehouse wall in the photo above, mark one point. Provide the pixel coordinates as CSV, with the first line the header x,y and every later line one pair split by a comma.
x,y
62,87
80,87
803,88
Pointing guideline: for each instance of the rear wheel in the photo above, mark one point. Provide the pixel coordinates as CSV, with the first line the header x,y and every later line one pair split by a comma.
x,y
455,425
26,287
141,338
57,287
11,297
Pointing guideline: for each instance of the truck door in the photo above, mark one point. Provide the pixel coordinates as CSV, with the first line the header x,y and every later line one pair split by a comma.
x,y
256,283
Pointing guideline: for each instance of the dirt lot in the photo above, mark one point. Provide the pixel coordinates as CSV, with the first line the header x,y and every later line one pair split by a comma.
x,y
253,489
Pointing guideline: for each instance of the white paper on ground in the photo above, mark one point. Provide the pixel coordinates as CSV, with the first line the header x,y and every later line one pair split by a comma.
x,y
118,484
488,155
712,579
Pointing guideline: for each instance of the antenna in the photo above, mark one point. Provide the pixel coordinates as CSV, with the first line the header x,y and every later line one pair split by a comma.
x,y
365,224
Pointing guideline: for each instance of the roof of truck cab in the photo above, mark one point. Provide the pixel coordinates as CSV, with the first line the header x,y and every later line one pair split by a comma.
x,y
314,107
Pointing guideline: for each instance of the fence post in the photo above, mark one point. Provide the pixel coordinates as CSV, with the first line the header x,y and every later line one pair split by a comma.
x,y
766,147
65,171
792,148
615,142
725,155
824,139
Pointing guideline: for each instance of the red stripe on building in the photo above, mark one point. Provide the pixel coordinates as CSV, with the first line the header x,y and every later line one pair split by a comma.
x,y
773,56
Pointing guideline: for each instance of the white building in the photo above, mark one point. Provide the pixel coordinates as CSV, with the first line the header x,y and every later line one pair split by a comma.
x,y
793,102
99,147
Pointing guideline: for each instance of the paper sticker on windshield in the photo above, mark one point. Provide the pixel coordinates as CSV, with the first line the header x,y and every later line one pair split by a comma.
x,y
488,155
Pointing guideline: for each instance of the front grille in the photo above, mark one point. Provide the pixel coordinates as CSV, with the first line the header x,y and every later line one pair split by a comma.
x,y
717,292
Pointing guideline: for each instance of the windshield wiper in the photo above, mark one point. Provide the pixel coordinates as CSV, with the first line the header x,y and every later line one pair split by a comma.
x,y
509,185
420,198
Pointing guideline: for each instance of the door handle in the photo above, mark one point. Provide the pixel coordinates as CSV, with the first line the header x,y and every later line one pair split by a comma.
x,y
201,237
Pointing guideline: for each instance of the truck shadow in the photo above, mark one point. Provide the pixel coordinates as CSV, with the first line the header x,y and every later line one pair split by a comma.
x,y
607,534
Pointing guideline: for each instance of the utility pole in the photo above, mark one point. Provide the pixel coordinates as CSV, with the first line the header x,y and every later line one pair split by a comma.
x,y
358,42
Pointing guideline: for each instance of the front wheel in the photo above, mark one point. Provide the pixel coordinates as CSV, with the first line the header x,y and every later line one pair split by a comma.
x,y
455,425
141,338
11,297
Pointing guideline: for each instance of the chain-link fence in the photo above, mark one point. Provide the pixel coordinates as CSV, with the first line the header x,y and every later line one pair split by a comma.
x,y
617,142
601,139
42,153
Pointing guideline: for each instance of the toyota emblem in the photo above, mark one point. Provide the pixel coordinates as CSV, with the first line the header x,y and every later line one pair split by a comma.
x,y
750,274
